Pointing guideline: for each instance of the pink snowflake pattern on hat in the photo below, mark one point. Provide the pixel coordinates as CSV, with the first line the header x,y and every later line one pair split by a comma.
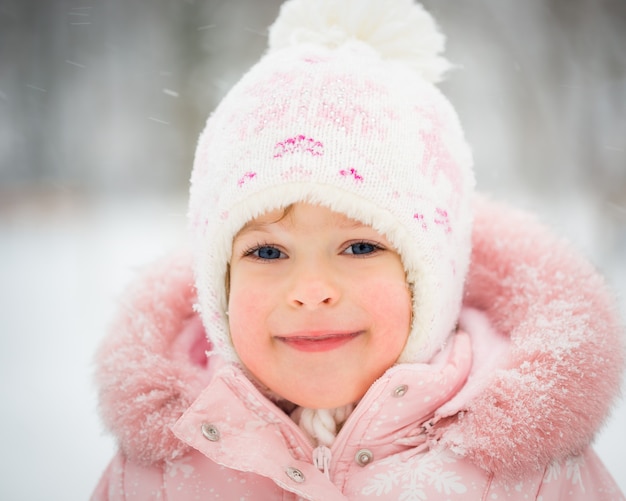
x,y
352,172
437,160
298,144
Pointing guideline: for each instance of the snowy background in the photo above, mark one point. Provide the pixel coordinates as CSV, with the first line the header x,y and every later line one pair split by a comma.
x,y
101,103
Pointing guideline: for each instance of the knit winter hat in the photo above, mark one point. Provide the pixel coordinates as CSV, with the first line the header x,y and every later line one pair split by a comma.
x,y
342,112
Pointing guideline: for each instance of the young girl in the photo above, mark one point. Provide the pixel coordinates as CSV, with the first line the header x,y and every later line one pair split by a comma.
x,y
357,325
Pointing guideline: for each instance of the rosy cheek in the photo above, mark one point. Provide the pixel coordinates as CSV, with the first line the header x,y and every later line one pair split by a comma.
x,y
390,307
245,308
388,295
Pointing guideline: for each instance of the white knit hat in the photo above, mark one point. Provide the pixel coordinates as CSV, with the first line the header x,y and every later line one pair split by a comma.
x,y
342,112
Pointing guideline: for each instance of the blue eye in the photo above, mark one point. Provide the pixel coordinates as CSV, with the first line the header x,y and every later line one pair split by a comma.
x,y
266,252
362,248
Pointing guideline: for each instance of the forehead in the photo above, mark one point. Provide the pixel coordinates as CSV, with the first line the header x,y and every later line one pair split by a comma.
x,y
301,215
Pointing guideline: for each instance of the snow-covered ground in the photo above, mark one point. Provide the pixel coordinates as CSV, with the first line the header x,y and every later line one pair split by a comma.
x,y
62,267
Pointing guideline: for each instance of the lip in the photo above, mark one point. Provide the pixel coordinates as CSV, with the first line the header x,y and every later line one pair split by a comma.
x,y
318,341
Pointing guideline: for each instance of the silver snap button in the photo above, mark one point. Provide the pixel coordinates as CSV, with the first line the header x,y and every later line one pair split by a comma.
x,y
363,457
400,391
295,474
210,432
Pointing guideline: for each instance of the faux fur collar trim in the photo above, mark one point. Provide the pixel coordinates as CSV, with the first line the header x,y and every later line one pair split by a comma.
x,y
561,378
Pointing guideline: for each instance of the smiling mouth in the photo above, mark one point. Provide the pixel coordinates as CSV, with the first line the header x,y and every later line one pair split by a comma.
x,y
318,342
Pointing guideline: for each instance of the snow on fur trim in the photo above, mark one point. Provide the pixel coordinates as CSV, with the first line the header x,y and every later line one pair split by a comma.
x,y
151,367
399,30
567,353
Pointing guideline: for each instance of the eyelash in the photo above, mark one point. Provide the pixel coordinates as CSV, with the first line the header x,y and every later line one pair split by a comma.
x,y
376,248
255,248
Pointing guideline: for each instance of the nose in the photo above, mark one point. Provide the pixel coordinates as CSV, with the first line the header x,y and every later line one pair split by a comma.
x,y
313,285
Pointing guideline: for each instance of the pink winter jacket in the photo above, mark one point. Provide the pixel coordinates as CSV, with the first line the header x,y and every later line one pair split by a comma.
x,y
506,411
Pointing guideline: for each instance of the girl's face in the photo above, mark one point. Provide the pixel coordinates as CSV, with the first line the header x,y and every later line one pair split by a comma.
x,y
319,307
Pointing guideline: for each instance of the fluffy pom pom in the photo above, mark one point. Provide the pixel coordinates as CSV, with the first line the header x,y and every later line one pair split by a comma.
x,y
399,30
